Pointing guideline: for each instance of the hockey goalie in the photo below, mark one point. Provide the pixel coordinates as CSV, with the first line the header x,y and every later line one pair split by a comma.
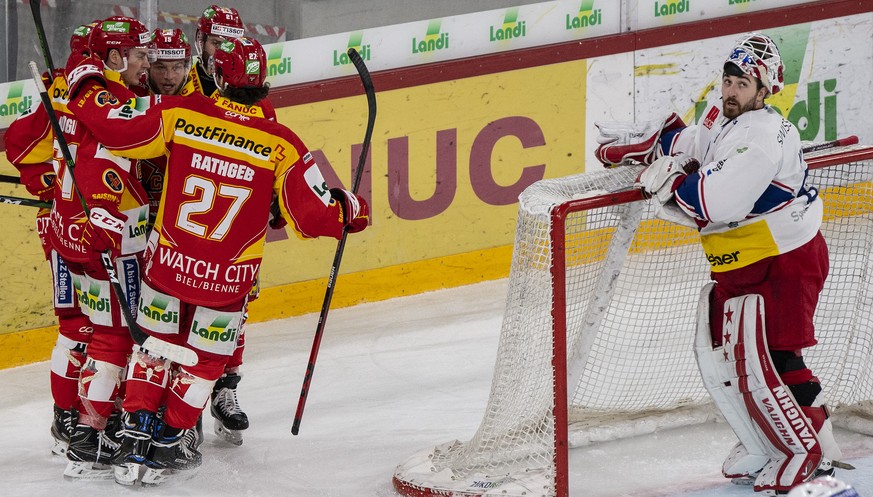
x,y
740,178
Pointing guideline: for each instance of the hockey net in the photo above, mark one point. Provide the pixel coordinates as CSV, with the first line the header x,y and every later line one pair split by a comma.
x,y
597,336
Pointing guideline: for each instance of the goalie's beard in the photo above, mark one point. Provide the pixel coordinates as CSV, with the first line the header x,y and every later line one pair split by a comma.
x,y
737,108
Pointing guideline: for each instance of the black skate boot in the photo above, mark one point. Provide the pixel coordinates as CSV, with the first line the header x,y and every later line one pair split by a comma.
x,y
90,454
172,453
62,426
230,420
136,436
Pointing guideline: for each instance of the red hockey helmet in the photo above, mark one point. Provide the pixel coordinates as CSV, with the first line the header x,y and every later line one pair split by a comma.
x,y
79,38
171,44
120,33
220,21
241,62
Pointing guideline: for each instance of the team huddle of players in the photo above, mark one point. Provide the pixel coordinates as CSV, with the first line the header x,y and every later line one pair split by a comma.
x,y
182,215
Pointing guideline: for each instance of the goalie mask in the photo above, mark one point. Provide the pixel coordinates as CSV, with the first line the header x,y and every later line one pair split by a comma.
x,y
756,55
120,33
241,62
218,21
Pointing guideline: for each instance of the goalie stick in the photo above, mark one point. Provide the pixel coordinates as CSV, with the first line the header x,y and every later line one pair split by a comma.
x,y
334,270
173,352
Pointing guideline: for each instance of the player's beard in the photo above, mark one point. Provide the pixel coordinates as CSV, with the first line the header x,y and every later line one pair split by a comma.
x,y
736,107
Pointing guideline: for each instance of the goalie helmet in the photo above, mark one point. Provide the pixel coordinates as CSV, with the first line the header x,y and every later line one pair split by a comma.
x,y
825,486
120,33
757,56
171,44
241,62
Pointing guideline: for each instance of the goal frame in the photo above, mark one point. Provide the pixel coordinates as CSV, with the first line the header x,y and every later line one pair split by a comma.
x,y
558,268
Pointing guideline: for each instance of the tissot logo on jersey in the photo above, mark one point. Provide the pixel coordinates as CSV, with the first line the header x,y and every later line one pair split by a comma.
x,y
222,138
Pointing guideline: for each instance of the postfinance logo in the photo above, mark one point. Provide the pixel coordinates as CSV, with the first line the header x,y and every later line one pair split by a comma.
x,y
157,311
672,7
217,331
433,40
511,28
341,58
276,63
587,16
15,102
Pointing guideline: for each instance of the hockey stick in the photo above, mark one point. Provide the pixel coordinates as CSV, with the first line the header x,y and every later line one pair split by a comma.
x,y
173,352
40,33
842,142
26,202
5,178
334,270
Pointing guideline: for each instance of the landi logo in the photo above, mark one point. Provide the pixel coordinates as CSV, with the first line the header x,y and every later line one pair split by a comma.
x,y
276,63
157,311
217,331
91,299
672,7
587,16
15,103
433,40
511,28
341,58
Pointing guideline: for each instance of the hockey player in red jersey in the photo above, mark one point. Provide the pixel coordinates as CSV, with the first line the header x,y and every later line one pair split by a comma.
x,y
29,147
215,26
117,213
224,164
168,76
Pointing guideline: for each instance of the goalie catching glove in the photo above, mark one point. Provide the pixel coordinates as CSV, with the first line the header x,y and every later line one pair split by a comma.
x,y
662,178
625,143
356,212
102,233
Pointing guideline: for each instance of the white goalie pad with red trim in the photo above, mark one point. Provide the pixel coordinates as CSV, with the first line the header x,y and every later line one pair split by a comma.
x,y
758,406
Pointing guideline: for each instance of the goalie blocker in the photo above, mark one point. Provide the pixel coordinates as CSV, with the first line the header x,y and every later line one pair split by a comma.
x,y
781,443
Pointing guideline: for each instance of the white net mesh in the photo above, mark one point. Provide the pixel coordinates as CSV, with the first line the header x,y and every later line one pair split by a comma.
x,y
632,285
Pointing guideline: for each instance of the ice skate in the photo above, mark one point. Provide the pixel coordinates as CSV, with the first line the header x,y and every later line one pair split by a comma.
x,y
136,435
90,454
172,456
62,426
230,419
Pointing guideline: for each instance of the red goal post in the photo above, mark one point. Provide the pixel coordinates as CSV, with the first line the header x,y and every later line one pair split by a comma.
x,y
599,325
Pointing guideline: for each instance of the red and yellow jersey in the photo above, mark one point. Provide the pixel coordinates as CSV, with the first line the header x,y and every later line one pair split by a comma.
x,y
107,180
223,168
197,83
30,143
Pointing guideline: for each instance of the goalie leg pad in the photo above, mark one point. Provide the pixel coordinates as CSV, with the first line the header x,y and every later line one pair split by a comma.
x,y
789,438
749,455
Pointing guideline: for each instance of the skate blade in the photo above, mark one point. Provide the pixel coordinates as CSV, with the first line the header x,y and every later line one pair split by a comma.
x,y
233,437
745,481
60,448
126,473
842,465
87,471
152,477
